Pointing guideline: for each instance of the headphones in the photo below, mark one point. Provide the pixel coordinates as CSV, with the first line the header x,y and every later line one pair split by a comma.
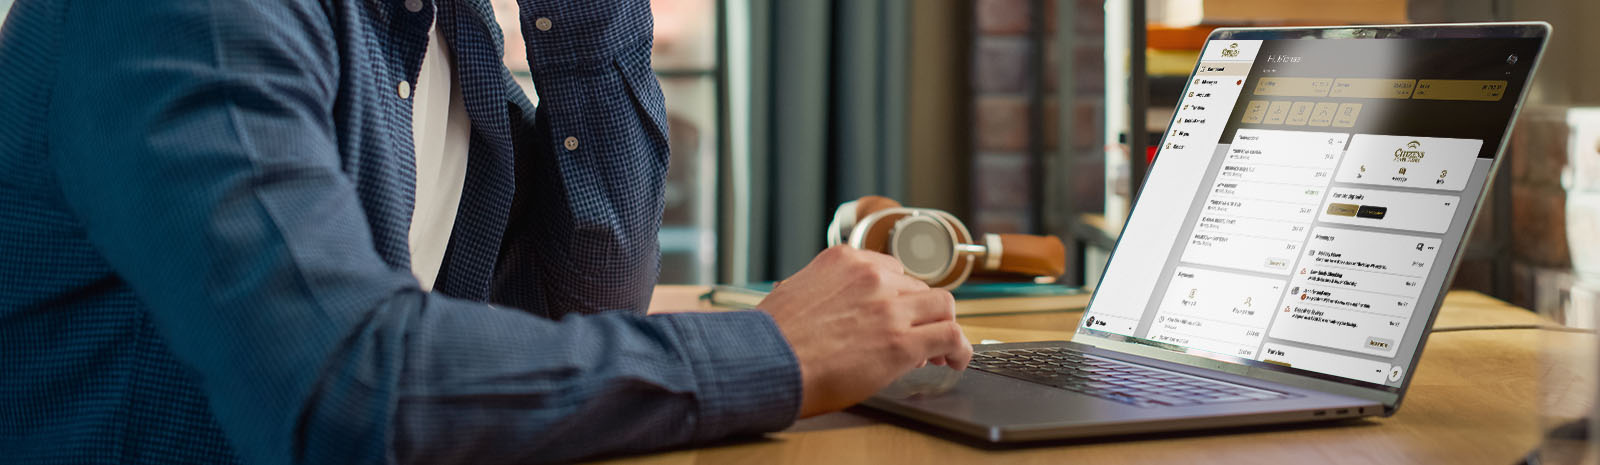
x,y
934,246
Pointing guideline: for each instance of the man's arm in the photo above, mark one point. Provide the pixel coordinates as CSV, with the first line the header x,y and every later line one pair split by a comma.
x,y
195,141
582,235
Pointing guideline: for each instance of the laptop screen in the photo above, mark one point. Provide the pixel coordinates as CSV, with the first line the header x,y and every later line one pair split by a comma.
x,y
1309,197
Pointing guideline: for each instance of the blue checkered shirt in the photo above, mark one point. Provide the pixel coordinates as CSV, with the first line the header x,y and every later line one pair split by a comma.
x,y
204,208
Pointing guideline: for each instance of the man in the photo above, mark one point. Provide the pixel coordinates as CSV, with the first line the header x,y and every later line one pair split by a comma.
x,y
219,232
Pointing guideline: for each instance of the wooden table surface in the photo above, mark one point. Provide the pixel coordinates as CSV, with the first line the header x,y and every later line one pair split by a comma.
x,y
1478,397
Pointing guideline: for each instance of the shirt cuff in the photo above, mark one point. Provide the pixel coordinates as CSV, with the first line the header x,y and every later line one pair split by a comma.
x,y
748,378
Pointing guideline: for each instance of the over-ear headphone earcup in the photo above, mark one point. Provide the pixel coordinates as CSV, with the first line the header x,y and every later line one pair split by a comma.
x,y
957,275
872,231
965,264
870,204
919,238
844,218
849,213
962,235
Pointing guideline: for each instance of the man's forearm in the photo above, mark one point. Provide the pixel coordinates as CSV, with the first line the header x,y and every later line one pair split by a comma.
x,y
619,383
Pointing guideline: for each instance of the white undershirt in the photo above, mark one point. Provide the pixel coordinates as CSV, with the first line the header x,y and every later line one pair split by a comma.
x,y
442,131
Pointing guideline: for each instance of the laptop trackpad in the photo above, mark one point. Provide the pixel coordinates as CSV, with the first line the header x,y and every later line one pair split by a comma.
x,y
990,399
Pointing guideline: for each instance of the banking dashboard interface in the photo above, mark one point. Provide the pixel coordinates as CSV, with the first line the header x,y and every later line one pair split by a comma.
x,y
1336,180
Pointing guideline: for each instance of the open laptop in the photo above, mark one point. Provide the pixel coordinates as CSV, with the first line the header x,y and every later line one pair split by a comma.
x,y
1293,241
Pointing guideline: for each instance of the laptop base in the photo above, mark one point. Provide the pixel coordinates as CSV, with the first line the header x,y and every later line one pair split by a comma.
x,y
1001,409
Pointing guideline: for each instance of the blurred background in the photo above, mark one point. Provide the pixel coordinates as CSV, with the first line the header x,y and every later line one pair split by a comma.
x,y
1015,115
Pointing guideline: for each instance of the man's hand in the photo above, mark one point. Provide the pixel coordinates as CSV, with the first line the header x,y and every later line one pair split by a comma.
x,y
856,322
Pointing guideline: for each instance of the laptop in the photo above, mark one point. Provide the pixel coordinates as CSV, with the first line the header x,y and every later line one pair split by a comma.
x,y
1290,248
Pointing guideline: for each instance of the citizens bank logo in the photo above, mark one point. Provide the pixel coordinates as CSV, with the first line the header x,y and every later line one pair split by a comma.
x,y
1232,51
1411,153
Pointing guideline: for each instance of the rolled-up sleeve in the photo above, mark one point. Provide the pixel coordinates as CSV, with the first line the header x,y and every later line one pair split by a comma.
x,y
196,143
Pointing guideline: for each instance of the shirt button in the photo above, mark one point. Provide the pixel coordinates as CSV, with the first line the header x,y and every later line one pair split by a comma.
x,y
413,5
542,23
571,143
405,90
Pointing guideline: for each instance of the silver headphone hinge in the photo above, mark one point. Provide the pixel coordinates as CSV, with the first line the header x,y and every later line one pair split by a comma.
x,y
991,251
991,260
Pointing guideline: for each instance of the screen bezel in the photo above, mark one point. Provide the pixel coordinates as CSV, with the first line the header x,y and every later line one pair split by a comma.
x,y
1390,396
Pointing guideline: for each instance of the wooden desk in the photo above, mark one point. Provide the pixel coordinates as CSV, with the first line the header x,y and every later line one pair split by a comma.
x,y
1478,397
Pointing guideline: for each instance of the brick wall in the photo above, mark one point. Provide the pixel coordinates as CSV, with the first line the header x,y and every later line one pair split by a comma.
x,y
1085,183
1535,257
1006,153
1002,77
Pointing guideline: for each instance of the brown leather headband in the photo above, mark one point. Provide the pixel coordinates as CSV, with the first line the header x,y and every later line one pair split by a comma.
x,y
1032,255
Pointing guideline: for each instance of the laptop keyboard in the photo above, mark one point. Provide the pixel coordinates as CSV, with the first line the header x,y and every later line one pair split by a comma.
x,y
1114,380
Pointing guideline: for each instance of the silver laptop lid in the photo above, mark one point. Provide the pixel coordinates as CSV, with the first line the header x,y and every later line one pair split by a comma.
x,y
1307,206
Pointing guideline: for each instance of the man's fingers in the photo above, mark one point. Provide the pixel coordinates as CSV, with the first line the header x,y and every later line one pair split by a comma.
x,y
929,305
963,354
943,339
